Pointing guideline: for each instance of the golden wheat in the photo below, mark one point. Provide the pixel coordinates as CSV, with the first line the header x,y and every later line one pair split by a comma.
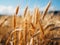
x,y
46,9
31,31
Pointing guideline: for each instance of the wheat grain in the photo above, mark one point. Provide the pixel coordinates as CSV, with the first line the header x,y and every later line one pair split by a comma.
x,y
46,9
25,11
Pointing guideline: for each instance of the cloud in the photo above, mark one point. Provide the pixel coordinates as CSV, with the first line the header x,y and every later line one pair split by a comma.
x,y
9,10
6,9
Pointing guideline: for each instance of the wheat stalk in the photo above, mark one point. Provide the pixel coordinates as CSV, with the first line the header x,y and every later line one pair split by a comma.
x,y
4,21
15,24
48,25
32,41
46,9
15,16
35,16
25,11
17,9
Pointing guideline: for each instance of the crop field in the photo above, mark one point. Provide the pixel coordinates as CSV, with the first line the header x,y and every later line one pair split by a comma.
x,y
36,28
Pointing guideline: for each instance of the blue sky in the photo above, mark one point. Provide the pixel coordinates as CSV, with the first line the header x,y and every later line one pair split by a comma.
x,y
10,5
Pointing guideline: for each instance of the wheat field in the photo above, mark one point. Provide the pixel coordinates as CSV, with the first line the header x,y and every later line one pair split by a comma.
x,y
30,29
